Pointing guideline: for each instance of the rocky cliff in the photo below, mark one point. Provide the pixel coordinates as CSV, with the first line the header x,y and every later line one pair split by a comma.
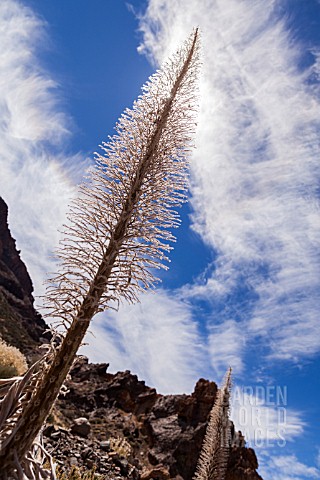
x,y
113,421
20,324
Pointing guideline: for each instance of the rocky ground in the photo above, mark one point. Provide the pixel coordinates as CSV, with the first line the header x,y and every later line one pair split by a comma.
x,y
130,430
112,421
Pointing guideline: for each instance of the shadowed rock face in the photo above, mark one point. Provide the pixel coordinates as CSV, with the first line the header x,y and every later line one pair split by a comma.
x,y
17,280
242,464
20,324
165,432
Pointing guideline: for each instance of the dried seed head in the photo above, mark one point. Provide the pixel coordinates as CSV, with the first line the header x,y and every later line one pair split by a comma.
x,y
119,227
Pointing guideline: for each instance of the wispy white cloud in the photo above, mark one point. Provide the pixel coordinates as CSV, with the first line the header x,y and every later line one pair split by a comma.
x,y
156,339
315,69
255,172
226,343
29,105
34,180
286,467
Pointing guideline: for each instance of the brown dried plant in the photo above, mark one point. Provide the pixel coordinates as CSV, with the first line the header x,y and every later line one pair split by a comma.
x,y
213,459
118,229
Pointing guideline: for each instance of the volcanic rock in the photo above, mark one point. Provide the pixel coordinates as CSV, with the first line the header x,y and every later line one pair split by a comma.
x,y
20,324
81,426
242,464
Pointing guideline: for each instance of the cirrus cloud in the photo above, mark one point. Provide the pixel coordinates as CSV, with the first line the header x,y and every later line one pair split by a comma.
x,y
35,181
255,172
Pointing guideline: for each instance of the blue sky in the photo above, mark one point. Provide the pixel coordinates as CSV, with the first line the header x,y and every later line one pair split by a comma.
x,y
243,284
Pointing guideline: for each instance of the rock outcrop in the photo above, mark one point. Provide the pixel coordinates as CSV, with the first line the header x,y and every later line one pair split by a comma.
x,y
20,324
242,464
165,432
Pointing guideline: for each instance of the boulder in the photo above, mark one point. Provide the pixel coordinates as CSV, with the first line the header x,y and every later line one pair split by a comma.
x,y
81,427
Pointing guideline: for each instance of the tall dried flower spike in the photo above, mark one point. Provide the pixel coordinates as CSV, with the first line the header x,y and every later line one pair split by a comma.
x,y
118,229
213,459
